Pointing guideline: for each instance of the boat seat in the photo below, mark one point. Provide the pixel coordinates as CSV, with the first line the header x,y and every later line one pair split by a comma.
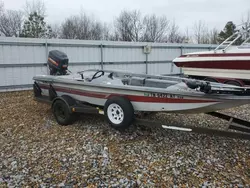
x,y
137,81
158,83
126,81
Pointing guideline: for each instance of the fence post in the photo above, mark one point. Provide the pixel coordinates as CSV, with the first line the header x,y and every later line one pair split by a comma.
x,y
172,67
181,55
101,48
146,63
146,51
47,53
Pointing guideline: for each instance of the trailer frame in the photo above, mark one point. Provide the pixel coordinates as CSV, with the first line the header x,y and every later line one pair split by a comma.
x,y
234,123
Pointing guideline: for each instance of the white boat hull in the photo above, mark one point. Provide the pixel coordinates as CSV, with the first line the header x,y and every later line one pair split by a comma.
x,y
217,73
232,64
140,102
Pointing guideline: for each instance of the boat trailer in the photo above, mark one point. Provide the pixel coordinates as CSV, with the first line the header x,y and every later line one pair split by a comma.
x,y
234,123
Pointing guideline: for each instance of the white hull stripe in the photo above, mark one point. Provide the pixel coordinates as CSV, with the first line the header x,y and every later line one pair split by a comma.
x,y
188,59
160,107
219,73
136,98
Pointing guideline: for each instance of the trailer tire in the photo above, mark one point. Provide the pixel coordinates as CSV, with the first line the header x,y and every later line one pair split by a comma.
x,y
62,113
208,79
119,112
233,82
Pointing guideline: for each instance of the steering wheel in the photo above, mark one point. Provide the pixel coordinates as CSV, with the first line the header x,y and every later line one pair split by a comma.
x,y
96,75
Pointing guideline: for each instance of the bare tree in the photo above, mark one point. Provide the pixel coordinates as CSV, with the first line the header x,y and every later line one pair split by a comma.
x,y
107,32
246,24
1,13
246,20
198,32
114,36
1,7
69,28
82,27
95,31
188,38
55,31
201,35
174,35
37,6
10,23
129,26
213,36
155,28
88,28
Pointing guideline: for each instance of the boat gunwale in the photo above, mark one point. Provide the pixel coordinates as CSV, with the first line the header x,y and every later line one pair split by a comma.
x,y
221,97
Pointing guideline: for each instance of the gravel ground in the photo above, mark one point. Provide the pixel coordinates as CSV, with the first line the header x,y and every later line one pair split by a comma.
x,y
36,152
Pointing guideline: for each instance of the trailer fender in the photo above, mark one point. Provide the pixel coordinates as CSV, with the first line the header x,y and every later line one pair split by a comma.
x,y
234,82
69,101
37,90
52,93
210,79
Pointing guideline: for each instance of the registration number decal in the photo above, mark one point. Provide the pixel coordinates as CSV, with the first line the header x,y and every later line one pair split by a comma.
x,y
163,95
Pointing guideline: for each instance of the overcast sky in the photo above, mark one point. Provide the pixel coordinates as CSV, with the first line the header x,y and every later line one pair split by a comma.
x,y
185,12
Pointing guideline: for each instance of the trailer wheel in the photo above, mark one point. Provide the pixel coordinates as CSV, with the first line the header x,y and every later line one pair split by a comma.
x,y
119,112
62,113
232,82
208,79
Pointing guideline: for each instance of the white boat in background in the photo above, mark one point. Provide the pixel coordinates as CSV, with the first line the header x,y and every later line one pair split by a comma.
x,y
228,63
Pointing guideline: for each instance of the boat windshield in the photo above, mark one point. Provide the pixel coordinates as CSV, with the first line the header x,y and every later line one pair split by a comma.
x,y
89,73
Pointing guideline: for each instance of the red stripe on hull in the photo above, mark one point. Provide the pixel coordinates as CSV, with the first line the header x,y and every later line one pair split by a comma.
x,y
78,92
164,100
218,55
133,98
238,65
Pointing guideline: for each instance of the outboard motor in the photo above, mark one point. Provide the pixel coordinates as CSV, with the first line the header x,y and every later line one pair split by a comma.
x,y
58,62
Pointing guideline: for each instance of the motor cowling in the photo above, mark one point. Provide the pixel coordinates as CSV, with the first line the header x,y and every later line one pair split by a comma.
x,y
58,62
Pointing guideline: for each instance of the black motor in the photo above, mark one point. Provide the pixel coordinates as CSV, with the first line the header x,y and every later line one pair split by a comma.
x,y
58,62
